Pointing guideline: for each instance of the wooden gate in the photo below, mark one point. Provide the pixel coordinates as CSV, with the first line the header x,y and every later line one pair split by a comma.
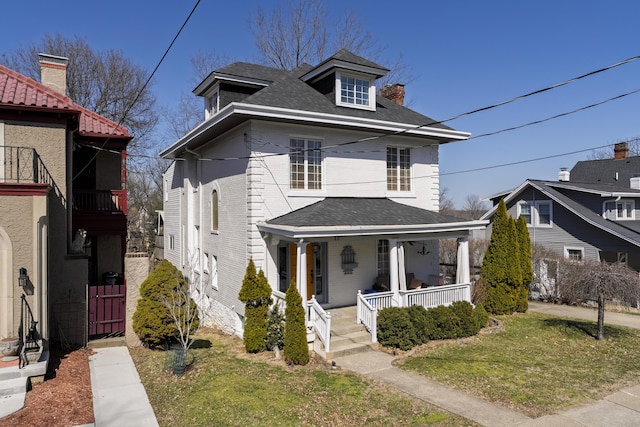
x,y
107,310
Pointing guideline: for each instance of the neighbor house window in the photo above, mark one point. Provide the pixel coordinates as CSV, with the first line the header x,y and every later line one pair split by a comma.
x,y
306,164
574,254
383,257
398,169
620,210
214,210
537,214
355,91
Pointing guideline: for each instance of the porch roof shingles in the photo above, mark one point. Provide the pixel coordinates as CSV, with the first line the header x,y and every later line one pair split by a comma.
x,y
353,211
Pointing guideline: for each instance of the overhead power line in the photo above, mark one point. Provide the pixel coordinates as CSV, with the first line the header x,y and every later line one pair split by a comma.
x,y
143,88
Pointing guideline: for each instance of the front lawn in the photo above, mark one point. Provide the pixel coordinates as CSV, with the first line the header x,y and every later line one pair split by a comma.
x,y
539,365
227,387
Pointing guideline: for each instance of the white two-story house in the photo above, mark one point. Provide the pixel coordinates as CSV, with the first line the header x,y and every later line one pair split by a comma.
x,y
318,178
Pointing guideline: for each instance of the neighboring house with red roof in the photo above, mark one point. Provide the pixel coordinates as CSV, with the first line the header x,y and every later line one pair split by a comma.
x,y
319,179
62,171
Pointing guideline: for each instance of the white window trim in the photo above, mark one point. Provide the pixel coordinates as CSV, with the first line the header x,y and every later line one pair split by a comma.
x,y
615,210
535,216
214,272
372,91
205,264
308,191
217,190
398,192
574,248
208,110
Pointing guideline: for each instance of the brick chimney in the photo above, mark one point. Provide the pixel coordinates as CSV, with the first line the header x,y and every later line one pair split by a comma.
x,y
53,72
394,92
621,150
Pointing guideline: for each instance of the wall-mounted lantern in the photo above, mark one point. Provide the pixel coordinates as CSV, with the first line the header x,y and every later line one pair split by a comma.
x,y
348,259
23,278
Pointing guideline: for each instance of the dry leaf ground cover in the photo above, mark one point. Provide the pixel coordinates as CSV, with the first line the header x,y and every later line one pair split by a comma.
x,y
538,365
226,386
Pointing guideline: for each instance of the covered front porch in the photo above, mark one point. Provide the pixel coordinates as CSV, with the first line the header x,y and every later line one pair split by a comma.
x,y
368,253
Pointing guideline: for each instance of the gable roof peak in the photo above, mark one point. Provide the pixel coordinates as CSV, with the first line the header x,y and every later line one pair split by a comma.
x,y
347,60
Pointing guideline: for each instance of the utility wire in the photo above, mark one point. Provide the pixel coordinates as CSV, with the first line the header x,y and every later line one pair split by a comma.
x,y
143,88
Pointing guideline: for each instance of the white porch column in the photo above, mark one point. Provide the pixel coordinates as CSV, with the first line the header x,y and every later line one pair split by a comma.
x,y
463,272
394,283
301,274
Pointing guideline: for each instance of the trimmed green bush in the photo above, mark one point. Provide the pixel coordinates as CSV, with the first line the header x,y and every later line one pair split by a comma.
x,y
296,350
468,322
481,315
395,329
446,324
152,321
256,295
421,323
275,329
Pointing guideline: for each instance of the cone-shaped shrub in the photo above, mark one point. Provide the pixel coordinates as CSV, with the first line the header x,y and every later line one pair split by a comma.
x,y
296,351
152,321
256,295
526,264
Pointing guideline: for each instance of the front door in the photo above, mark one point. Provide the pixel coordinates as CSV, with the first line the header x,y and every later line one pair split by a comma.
x,y
315,269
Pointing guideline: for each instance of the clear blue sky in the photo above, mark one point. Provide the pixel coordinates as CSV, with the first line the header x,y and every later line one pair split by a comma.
x,y
465,55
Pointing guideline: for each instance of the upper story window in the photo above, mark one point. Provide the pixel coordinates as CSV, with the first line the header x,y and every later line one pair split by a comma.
x,y
539,214
398,169
305,159
214,210
620,210
212,103
355,91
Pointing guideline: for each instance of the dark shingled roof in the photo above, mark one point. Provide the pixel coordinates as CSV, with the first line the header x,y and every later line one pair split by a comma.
x,y
352,211
607,171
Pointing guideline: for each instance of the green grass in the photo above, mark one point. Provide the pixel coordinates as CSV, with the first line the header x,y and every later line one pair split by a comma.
x,y
540,364
227,387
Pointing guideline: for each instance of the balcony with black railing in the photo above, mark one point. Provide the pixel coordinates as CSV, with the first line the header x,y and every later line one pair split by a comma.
x,y
22,165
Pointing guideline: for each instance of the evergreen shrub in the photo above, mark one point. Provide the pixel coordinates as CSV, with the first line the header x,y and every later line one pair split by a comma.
x,y
395,329
152,321
256,295
421,322
296,350
275,329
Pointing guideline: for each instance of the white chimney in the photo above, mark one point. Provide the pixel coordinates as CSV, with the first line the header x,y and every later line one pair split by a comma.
x,y
53,72
563,175
635,182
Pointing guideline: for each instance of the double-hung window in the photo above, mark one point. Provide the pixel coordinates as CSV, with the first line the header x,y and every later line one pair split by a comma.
x,y
383,257
620,210
538,214
398,169
305,157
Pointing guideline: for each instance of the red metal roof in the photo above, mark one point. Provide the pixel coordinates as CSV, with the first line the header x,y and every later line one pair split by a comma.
x,y
17,90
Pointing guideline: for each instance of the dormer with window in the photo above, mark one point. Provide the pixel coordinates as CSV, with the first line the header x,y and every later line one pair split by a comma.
x,y
619,210
212,102
348,79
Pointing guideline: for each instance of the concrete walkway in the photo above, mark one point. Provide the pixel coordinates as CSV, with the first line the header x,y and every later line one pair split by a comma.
x,y
619,409
119,399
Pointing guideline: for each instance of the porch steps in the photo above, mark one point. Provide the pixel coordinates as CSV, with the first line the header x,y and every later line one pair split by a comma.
x,y
14,382
347,336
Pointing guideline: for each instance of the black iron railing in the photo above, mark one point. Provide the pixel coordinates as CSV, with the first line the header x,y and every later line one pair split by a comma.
x,y
22,165
28,335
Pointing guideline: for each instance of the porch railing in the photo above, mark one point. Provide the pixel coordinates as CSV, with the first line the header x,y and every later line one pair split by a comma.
x,y
320,322
368,305
106,201
437,295
28,335
22,165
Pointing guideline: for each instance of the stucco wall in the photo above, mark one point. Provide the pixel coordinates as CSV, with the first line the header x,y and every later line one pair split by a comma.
x,y
136,270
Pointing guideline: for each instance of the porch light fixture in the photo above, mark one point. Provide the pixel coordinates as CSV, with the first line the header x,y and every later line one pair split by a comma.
x,y
23,278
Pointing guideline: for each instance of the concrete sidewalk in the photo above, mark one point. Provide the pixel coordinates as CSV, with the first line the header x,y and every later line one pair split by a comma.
x,y
620,409
119,399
